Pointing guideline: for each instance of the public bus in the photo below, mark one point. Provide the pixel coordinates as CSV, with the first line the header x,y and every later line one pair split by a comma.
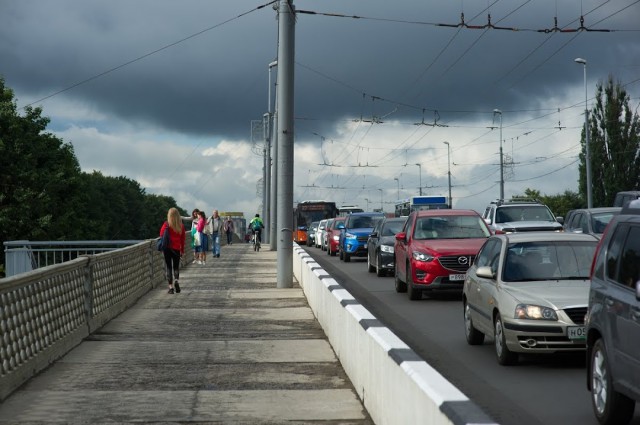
x,y
417,203
306,212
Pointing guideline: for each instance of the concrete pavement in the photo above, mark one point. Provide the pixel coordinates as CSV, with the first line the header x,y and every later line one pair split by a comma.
x,y
231,348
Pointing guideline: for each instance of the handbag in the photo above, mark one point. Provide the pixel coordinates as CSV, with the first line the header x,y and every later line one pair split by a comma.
x,y
198,241
207,227
163,242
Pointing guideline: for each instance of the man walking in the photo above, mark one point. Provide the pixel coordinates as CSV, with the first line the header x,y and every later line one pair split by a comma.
x,y
215,223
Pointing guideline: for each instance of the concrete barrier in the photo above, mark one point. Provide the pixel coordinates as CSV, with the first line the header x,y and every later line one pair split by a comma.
x,y
394,383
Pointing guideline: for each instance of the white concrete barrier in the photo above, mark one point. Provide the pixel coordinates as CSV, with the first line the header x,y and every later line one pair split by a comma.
x,y
394,383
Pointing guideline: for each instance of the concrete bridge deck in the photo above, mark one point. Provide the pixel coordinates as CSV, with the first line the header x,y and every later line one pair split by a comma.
x,y
231,348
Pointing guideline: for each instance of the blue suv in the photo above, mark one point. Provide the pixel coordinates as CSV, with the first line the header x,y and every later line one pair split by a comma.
x,y
355,232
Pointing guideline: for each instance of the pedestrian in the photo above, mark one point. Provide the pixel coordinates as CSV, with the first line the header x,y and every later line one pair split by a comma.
x,y
229,228
175,250
201,247
215,225
194,222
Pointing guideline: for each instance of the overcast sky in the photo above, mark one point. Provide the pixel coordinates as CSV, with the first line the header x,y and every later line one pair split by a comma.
x,y
165,92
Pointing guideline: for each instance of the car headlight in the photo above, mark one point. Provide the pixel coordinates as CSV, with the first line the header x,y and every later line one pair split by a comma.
x,y
349,236
386,248
535,312
336,238
421,256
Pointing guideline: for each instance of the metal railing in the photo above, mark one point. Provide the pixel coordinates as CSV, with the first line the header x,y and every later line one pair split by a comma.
x,y
24,256
46,312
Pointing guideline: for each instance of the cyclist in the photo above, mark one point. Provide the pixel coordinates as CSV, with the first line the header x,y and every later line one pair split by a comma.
x,y
256,226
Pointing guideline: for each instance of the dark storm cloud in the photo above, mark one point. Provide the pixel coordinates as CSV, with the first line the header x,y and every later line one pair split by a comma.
x,y
216,82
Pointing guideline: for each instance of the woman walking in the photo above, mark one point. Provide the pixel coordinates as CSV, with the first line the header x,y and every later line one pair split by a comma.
x,y
175,250
201,250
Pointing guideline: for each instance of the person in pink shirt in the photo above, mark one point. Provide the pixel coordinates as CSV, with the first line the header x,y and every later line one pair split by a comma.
x,y
201,250
175,250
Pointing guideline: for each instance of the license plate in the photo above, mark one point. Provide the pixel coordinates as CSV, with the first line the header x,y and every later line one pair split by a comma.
x,y
576,332
457,277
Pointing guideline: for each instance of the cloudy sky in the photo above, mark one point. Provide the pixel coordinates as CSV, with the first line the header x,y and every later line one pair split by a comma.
x,y
165,92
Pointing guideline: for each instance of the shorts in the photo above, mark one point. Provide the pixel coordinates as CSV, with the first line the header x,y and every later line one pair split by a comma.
x,y
204,243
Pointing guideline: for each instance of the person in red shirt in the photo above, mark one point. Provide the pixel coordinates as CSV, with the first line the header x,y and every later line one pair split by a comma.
x,y
175,250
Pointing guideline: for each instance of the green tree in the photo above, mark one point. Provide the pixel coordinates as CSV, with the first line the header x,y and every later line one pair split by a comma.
x,y
39,173
614,145
559,204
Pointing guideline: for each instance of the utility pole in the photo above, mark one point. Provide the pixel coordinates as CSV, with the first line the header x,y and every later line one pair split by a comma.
x,y
449,171
587,149
286,57
498,111
268,217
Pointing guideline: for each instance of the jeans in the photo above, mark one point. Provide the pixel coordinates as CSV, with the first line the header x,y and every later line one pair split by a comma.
x,y
229,237
215,239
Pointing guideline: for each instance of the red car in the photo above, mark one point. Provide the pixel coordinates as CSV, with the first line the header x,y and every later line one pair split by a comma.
x,y
435,248
333,236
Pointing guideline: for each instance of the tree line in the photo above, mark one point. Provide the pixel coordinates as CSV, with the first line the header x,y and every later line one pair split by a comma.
x,y
44,196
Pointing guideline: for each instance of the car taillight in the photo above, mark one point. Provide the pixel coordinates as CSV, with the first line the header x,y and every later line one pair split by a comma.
x,y
598,247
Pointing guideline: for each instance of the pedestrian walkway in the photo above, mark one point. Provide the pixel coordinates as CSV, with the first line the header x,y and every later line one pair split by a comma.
x,y
231,348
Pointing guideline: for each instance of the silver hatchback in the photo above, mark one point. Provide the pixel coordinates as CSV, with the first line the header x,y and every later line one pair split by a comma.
x,y
529,291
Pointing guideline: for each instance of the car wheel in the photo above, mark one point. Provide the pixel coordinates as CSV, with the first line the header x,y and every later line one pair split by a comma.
x,y
370,267
400,285
379,270
609,406
474,336
413,292
347,257
505,356
332,253
329,250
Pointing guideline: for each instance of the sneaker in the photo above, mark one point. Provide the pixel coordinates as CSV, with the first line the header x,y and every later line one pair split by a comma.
x,y
171,291
218,255
177,286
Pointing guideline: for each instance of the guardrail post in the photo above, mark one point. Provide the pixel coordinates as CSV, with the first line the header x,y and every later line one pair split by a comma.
x,y
88,290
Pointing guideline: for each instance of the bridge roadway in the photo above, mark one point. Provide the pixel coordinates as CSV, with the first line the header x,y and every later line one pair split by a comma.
x,y
231,348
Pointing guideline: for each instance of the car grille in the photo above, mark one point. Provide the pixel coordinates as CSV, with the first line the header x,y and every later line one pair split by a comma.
x,y
576,314
458,263
362,238
554,343
533,229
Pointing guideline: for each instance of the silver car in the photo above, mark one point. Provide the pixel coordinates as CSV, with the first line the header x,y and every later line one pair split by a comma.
x,y
529,292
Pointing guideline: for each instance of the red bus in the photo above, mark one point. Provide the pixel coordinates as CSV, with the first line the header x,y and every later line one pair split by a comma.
x,y
306,212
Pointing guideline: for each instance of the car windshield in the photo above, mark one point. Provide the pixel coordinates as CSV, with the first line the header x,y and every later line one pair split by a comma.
x,y
390,228
523,213
599,221
362,221
548,260
450,227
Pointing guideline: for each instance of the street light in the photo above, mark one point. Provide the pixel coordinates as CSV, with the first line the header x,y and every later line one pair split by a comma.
x,y
381,208
367,199
449,171
398,181
586,134
420,168
498,111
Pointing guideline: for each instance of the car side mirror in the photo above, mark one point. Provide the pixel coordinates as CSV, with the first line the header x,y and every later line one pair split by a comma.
x,y
487,220
560,220
638,290
485,272
374,234
401,236
340,226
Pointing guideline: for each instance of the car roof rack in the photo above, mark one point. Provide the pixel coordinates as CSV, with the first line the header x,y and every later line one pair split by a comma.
x,y
515,200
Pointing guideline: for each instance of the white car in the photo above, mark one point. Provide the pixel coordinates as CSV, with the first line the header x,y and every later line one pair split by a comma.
x,y
321,226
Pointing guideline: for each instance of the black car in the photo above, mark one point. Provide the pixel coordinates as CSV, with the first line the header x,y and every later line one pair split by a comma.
x,y
380,255
613,320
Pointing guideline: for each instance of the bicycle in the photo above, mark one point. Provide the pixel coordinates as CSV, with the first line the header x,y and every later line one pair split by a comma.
x,y
256,241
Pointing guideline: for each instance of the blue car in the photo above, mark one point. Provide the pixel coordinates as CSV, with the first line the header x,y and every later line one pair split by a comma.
x,y
355,232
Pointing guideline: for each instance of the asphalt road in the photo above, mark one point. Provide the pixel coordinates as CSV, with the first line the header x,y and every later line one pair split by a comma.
x,y
539,390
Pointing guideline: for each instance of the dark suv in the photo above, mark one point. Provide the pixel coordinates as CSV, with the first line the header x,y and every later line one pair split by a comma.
x,y
520,215
613,320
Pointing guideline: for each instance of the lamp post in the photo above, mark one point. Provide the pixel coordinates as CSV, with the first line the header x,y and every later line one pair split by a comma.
x,y
272,175
586,134
381,208
499,112
367,199
449,171
420,169
398,182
